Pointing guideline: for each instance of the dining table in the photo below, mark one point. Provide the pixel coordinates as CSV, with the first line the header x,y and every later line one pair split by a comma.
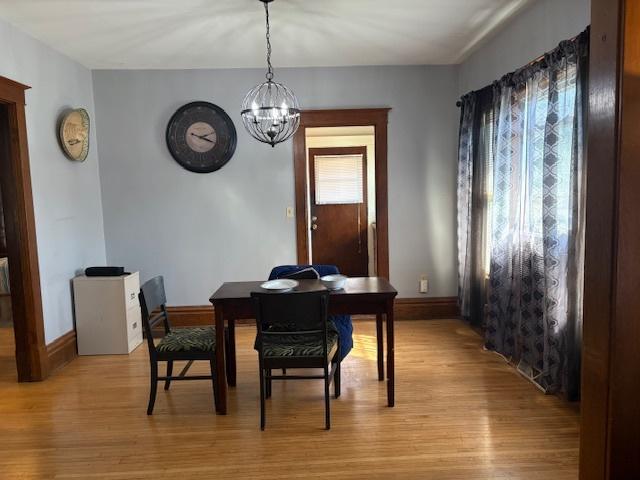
x,y
359,296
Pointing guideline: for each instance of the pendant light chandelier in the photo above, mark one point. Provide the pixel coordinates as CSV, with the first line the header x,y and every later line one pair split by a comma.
x,y
270,111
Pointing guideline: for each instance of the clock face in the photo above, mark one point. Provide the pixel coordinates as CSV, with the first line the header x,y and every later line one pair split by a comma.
x,y
74,134
201,137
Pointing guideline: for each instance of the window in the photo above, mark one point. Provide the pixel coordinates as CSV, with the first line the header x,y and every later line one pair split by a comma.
x,y
339,179
531,128
485,152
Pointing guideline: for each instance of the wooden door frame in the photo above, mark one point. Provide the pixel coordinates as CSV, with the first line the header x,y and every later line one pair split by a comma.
x,y
24,277
376,117
610,423
352,150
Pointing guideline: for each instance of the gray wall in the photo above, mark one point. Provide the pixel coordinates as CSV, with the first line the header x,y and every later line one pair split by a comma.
x,y
534,31
66,194
200,230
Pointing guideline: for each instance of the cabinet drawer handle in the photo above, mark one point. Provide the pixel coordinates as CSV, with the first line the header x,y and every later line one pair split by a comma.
x,y
133,295
135,325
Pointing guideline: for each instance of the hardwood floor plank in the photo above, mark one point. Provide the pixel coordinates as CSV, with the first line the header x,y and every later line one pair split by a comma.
x,y
461,414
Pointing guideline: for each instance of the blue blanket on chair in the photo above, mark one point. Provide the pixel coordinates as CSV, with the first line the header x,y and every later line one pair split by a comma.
x,y
342,322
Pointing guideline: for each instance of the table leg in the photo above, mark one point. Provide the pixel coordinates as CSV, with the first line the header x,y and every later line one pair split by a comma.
x,y
390,356
221,379
231,354
380,341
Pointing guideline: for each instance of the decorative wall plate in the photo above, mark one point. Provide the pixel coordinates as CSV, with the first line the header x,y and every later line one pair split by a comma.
x,y
74,134
201,137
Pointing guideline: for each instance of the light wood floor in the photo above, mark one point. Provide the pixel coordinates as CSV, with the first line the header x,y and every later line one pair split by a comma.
x,y
461,413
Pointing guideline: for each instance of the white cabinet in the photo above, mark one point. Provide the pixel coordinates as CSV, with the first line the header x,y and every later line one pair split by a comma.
x,y
108,317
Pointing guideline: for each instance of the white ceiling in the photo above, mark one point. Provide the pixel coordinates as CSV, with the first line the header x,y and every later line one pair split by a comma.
x,y
178,34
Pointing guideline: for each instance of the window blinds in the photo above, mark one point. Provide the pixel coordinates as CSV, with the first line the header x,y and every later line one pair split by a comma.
x,y
339,179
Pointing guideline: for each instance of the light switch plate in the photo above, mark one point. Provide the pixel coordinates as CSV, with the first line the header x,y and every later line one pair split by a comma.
x,y
289,212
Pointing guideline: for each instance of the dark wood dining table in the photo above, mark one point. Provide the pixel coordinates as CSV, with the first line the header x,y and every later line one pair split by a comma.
x,y
360,296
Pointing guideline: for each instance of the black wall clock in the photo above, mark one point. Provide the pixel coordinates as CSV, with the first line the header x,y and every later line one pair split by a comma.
x,y
201,137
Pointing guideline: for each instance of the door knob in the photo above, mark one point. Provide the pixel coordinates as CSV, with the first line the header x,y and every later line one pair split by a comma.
x,y
314,219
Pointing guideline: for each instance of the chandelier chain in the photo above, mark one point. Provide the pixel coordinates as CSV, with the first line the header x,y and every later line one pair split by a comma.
x,y
269,74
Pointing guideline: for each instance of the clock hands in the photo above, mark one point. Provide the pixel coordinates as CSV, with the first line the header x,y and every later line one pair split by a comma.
x,y
203,137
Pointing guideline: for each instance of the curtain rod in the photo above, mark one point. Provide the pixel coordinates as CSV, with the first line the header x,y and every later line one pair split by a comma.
x,y
530,64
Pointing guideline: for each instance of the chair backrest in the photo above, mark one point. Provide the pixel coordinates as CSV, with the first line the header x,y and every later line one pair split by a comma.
x,y
304,274
292,313
282,271
153,302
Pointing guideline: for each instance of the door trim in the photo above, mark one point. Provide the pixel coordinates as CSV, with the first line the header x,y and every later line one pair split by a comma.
x,y
376,117
26,301
610,418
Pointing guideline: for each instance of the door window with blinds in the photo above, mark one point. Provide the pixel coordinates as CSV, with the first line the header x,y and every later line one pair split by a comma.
x,y
339,179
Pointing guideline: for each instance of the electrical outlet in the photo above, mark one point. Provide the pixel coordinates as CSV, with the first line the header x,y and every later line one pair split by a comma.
x,y
424,284
289,212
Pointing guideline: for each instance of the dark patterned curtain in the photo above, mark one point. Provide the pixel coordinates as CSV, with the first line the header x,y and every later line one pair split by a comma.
x,y
468,133
535,209
474,161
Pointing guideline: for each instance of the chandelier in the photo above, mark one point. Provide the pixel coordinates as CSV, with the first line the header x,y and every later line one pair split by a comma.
x,y
270,111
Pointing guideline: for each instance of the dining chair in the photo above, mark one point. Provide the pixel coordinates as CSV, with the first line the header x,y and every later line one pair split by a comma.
x,y
190,344
343,323
302,272
294,332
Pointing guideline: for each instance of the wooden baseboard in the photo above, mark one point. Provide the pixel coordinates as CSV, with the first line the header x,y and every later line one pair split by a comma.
x,y
188,316
191,315
62,350
424,308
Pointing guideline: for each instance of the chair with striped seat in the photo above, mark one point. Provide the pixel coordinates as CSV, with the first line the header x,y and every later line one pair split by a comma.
x,y
189,344
294,332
